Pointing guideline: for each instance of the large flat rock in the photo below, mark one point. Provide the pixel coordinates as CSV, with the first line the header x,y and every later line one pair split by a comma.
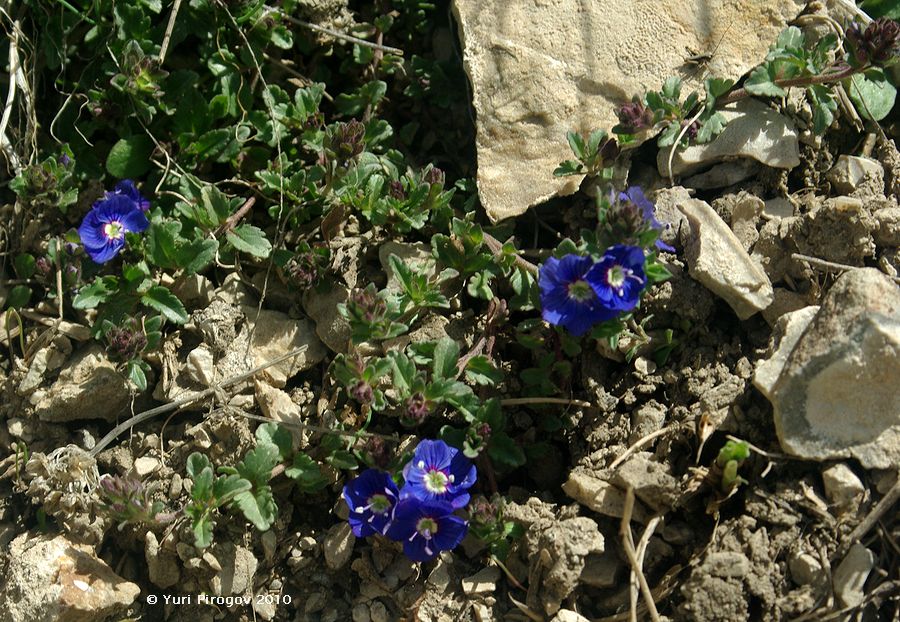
x,y
836,395
540,68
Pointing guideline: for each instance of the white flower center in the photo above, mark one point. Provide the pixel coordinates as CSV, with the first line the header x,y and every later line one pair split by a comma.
x,y
436,481
114,230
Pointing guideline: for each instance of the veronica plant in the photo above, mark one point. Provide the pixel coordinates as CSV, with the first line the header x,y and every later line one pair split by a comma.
x,y
421,514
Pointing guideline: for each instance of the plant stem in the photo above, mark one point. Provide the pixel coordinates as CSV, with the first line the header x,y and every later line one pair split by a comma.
x,y
743,93
496,247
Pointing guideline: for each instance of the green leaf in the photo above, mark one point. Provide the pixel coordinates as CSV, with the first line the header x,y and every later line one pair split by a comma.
x,y
196,463
503,450
872,94
276,435
258,506
24,265
480,371
307,473
136,375
446,356
130,157
202,528
823,105
762,82
791,38
569,167
576,143
250,239
94,294
167,303
197,254
225,488
882,8
18,297
342,459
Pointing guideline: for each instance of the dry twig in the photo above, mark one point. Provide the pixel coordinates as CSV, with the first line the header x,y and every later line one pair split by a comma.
x,y
631,553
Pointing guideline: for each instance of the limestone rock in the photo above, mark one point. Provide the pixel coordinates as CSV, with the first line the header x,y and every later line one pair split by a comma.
x,y
842,487
540,69
851,574
600,496
236,569
836,394
482,582
851,173
754,131
338,546
554,573
806,569
89,387
162,564
651,481
567,615
717,259
331,328
416,256
55,579
786,334
888,232
277,405
275,335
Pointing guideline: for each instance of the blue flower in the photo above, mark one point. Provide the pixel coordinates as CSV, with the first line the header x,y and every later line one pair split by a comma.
x,y
372,498
127,188
618,279
636,196
438,472
103,229
426,528
567,298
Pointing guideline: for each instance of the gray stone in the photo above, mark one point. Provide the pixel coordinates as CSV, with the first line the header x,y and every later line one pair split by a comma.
x,y
201,365
89,387
888,232
277,405
55,579
145,465
651,481
842,487
667,201
779,207
836,394
540,69
851,173
602,570
722,175
563,547
338,545
275,335
600,496
417,256
787,332
322,308
754,131
851,574
786,301
237,568
744,218
806,569
717,259
162,564
482,582
378,611
360,613
567,615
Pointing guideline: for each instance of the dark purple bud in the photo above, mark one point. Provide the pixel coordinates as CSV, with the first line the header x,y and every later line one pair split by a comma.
x,y
350,139
396,191
43,266
417,408
125,343
362,392
378,452
482,511
303,270
634,117
875,45
367,306
434,175
484,431
64,159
